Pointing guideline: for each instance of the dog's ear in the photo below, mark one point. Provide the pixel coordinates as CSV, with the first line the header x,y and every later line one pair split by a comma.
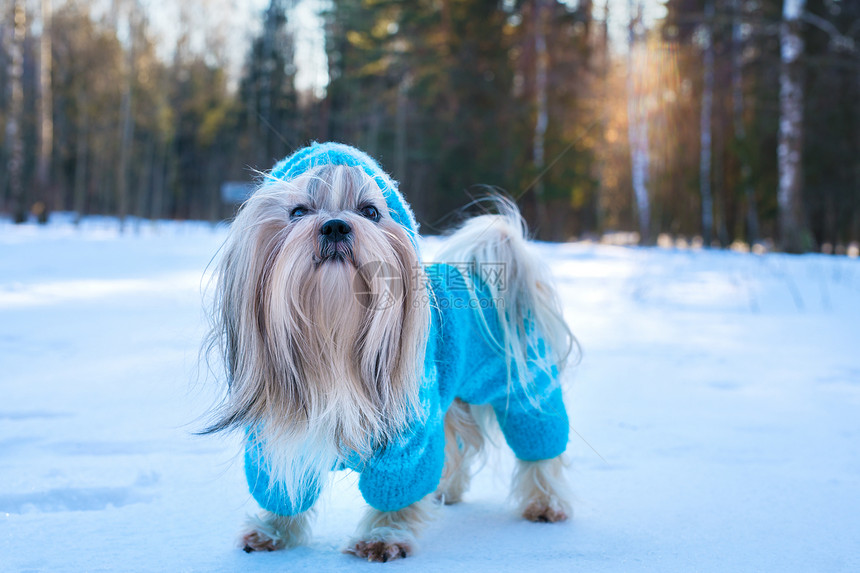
x,y
248,311
236,302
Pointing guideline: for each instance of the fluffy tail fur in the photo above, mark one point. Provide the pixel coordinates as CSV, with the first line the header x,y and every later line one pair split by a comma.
x,y
495,249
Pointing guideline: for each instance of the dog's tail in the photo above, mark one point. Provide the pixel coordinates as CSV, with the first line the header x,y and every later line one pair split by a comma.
x,y
495,249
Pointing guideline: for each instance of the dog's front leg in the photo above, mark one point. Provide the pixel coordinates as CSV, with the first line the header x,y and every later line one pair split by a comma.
x,y
387,535
269,531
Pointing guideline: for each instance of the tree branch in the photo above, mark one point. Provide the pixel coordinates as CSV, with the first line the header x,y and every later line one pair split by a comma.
x,y
839,41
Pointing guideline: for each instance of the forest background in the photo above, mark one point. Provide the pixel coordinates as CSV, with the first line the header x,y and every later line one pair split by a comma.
x,y
686,121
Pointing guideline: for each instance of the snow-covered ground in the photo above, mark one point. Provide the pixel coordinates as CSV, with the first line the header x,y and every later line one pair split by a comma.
x,y
720,393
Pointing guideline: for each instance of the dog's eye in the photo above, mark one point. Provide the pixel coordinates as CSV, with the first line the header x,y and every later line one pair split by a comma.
x,y
370,212
299,211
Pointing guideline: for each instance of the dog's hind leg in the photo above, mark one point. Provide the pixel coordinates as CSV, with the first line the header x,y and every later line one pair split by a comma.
x,y
387,535
269,531
463,442
541,490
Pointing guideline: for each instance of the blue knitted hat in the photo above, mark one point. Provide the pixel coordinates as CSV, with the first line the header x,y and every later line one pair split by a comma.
x,y
319,154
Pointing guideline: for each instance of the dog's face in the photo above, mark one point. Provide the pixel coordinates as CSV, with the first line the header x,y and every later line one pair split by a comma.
x,y
321,314
335,215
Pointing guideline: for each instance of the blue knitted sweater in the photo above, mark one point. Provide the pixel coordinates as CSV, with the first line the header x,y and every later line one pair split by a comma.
x,y
460,362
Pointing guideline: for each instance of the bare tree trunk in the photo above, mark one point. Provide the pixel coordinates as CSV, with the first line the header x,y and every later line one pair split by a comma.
x,y
81,152
265,111
212,203
159,181
601,65
127,130
371,140
721,201
401,141
705,128
854,231
46,113
739,124
637,127
790,148
104,178
142,210
14,118
542,116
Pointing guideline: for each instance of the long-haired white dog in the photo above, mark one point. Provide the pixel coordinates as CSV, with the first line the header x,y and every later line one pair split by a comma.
x,y
342,351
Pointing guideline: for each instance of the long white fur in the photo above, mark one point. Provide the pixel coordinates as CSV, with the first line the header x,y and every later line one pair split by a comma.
x,y
464,441
541,490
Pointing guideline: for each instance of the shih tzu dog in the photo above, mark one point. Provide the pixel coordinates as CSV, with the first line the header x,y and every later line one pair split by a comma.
x,y
343,351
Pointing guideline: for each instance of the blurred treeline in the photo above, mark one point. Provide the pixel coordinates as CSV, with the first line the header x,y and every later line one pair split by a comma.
x,y
673,126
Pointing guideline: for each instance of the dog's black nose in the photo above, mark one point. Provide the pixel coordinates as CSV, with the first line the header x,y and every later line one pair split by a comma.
x,y
335,230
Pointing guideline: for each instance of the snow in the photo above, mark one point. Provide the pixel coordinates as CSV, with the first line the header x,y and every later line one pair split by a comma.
x,y
718,390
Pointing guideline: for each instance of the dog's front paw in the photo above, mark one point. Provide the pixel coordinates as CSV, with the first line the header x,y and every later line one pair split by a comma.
x,y
380,551
388,535
543,512
269,531
255,540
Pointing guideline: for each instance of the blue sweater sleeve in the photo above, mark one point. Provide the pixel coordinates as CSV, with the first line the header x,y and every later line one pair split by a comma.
x,y
535,428
271,494
410,467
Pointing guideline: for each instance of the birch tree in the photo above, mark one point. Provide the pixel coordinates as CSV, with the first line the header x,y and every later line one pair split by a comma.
x,y
637,125
601,63
14,116
542,116
126,135
705,127
81,151
790,146
46,110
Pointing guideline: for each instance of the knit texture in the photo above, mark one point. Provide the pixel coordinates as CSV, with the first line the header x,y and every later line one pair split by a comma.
x,y
462,360
319,154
